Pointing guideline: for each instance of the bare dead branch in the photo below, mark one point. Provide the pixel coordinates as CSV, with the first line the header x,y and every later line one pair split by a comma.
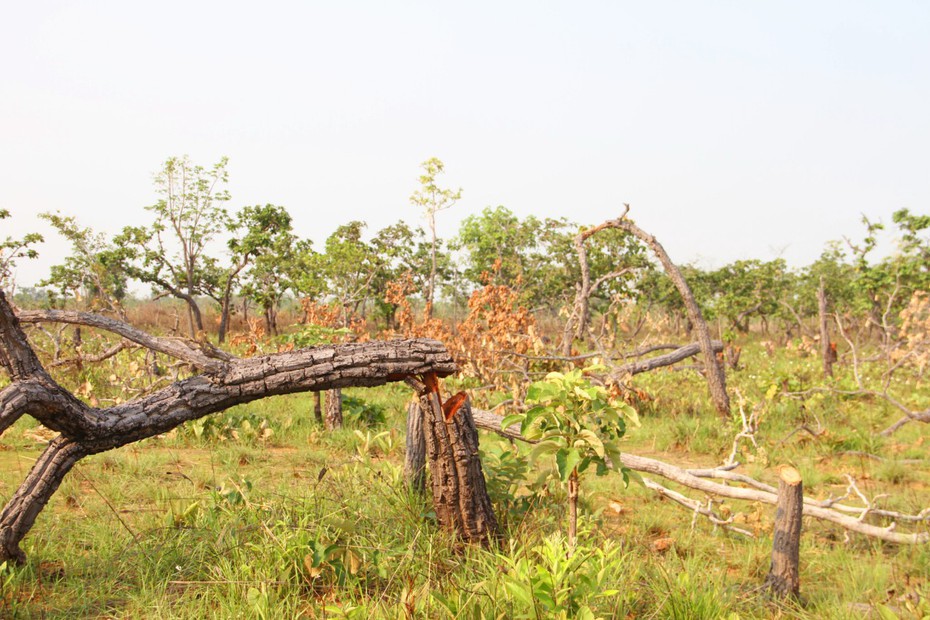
x,y
201,355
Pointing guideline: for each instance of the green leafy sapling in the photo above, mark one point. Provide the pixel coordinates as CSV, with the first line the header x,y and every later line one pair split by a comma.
x,y
578,424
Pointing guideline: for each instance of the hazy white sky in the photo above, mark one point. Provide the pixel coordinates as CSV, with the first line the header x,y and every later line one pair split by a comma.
x,y
735,129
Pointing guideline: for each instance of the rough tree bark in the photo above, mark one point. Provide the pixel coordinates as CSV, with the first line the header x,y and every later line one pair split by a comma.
x,y
415,458
318,408
783,579
716,379
226,382
333,409
460,496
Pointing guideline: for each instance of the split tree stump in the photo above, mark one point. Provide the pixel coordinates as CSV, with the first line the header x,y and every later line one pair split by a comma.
x,y
460,495
783,580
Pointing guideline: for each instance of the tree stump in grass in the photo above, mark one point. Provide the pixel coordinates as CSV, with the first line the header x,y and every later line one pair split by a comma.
x,y
415,459
783,580
333,409
318,407
460,496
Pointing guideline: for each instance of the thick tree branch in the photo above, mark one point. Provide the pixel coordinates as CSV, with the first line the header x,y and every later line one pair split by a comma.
x,y
199,354
634,368
16,356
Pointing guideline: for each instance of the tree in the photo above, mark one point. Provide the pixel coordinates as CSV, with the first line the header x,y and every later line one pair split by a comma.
x,y
349,266
12,249
578,423
406,251
91,274
749,287
269,240
171,253
499,247
432,199
262,234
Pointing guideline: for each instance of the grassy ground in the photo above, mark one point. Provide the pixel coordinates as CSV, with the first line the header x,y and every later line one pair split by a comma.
x,y
257,512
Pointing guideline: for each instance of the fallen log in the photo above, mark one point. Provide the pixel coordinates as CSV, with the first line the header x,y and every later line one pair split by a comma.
x,y
824,510
227,381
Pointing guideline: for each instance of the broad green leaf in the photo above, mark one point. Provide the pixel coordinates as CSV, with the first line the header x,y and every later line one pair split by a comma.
x,y
566,459
543,449
593,440
508,421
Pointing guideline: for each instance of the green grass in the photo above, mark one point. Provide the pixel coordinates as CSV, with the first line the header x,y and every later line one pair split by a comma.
x,y
259,513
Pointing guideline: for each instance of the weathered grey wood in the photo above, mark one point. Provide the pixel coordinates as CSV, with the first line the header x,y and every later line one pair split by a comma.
x,y
333,409
88,430
577,322
634,368
783,580
201,355
716,379
415,457
460,496
828,510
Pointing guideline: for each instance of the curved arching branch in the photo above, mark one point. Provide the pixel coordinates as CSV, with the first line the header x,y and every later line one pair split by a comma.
x,y
201,355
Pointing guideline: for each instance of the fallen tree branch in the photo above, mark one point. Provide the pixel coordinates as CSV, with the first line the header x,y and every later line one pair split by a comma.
x,y
201,355
86,430
827,510
696,507
635,368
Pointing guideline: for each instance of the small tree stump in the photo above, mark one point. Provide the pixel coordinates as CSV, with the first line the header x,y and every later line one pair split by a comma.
x,y
415,459
460,495
333,409
318,407
783,580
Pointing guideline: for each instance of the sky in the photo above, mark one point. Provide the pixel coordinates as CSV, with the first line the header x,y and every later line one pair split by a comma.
x,y
734,129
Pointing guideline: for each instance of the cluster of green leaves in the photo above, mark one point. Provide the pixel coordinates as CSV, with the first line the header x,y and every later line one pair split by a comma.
x,y
576,422
544,581
12,249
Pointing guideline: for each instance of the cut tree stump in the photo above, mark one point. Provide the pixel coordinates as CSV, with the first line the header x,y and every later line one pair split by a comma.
x,y
415,458
783,580
318,407
460,495
333,409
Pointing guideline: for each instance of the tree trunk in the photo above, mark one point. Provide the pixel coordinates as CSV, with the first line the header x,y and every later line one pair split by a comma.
x,y
224,320
225,383
783,579
333,409
572,509
460,496
716,379
827,348
318,407
43,480
271,320
415,458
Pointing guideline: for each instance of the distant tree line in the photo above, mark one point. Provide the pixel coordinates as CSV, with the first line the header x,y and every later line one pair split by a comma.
x,y
197,250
